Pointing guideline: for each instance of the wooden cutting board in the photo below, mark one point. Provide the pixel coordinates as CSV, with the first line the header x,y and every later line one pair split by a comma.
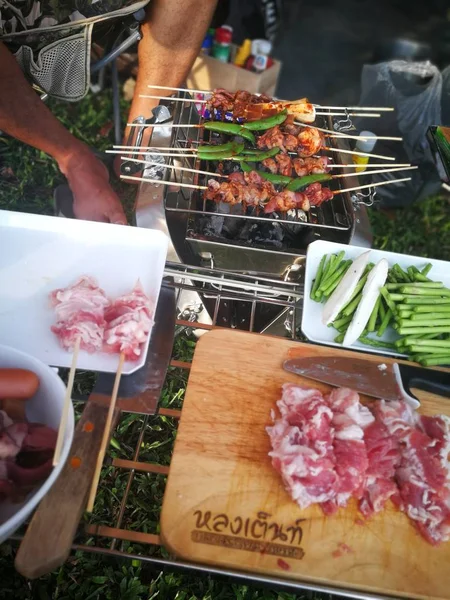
x,y
225,504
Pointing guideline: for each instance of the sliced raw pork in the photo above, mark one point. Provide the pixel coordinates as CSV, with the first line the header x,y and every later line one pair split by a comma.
x,y
302,445
129,319
423,475
350,418
80,310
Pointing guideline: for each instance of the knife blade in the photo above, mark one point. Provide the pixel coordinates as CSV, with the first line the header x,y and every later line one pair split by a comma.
x,y
391,381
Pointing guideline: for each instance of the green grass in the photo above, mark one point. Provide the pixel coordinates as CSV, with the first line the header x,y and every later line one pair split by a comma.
x,y
27,180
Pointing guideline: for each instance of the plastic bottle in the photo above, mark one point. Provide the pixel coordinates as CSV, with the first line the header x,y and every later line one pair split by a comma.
x,y
261,54
364,145
208,42
243,53
222,43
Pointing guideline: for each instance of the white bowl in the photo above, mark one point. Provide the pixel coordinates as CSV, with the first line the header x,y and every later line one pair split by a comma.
x,y
44,407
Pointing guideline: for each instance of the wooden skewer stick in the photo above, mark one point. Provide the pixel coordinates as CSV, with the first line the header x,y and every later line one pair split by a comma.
x,y
158,153
167,149
163,182
370,185
106,435
166,166
173,98
346,135
66,405
180,89
346,114
379,108
186,155
373,172
359,153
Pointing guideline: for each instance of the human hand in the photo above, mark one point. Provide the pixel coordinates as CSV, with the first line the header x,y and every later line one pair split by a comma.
x,y
94,199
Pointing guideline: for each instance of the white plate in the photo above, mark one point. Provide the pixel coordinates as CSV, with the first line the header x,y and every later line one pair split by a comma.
x,y
44,407
39,254
312,325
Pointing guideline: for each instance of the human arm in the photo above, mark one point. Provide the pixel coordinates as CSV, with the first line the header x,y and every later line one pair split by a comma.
x,y
25,117
172,35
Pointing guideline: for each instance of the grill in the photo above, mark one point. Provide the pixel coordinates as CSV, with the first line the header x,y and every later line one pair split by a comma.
x,y
241,283
238,240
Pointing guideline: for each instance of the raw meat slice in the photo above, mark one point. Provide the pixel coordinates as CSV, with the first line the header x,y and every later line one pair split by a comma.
x,y
129,320
302,448
11,440
383,457
423,476
349,419
80,312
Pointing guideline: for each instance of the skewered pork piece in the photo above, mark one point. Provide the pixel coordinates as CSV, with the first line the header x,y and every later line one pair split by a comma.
x,y
250,107
284,165
313,195
250,189
307,143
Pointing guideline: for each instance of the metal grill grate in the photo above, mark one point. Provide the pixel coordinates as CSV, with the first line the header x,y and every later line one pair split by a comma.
x,y
336,214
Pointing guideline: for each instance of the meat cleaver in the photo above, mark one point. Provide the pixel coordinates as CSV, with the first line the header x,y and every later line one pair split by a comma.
x,y
49,537
391,381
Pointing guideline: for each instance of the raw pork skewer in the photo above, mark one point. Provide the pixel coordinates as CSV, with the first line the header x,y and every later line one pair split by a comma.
x,y
106,435
80,310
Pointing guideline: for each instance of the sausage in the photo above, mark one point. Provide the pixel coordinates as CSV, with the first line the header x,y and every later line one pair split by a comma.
x,y
18,384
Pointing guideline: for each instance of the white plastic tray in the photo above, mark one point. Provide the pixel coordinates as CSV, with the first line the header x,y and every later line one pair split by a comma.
x,y
39,254
312,325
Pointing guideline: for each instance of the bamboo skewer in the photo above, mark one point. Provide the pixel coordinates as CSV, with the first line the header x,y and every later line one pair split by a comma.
x,y
371,185
194,155
379,108
347,135
204,187
180,89
66,405
159,153
359,153
199,172
106,435
162,181
166,166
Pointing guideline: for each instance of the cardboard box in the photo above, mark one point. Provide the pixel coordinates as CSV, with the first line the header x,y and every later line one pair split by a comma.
x,y
209,73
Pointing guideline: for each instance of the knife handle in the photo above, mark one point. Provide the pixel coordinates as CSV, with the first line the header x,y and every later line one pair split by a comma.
x,y
48,539
429,380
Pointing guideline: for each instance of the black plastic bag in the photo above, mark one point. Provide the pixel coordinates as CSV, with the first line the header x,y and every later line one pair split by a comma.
x,y
414,90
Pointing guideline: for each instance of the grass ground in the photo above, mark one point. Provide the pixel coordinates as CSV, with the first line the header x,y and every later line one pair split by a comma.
x,y
27,178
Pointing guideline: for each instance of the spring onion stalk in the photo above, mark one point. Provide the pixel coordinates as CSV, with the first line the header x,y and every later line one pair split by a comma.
x,y
318,276
376,343
427,268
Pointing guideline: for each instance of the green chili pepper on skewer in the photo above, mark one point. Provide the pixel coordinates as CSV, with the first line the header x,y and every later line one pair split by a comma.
x,y
234,150
272,177
252,154
229,146
301,182
231,129
267,123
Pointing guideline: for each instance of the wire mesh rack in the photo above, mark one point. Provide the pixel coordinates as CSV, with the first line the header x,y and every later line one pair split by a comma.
x,y
113,530
336,214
